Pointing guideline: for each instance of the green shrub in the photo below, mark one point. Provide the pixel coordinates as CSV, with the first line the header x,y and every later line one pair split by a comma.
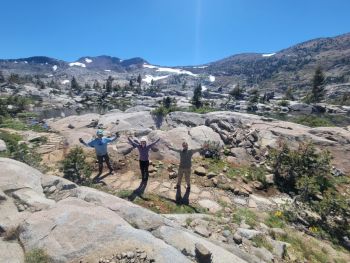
x,y
36,256
303,171
244,214
313,121
261,241
14,124
201,110
19,151
75,168
275,219
283,103
307,173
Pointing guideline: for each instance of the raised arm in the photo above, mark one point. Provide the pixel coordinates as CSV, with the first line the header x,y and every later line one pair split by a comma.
x,y
89,144
132,142
173,149
153,143
113,138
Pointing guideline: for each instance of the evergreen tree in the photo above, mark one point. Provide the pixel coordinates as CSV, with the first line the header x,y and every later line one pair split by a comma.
x,y
167,102
14,78
152,82
236,92
139,80
184,85
2,78
109,84
254,96
131,83
318,91
96,86
75,87
197,96
289,94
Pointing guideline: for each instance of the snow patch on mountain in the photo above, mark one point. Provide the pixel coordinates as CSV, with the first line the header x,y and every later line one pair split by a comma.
x,y
201,67
148,78
107,70
54,68
78,64
211,78
87,60
170,70
268,55
149,66
66,81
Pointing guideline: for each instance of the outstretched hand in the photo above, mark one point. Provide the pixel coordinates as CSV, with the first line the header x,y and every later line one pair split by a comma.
x,y
117,134
81,140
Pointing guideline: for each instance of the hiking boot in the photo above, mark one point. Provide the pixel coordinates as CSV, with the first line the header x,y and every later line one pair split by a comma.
x,y
111,172
177,186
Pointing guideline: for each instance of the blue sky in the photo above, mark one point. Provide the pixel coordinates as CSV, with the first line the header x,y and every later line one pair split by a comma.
x,y
164,32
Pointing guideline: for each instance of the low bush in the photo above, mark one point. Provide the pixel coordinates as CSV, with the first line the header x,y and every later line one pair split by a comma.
x,y
246,215
18,150
36,256
75,168
306,174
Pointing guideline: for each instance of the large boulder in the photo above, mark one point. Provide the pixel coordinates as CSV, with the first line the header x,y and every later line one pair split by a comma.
x,y
187,119
301,107
10,252
135,215
15,175
186,241
202,133
3,146
74,229
32,199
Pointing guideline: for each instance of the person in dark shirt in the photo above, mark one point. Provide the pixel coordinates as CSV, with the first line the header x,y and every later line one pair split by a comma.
x,y
185,163
143,148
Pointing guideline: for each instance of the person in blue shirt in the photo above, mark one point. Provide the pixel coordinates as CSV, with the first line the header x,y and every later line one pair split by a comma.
x,y
100,145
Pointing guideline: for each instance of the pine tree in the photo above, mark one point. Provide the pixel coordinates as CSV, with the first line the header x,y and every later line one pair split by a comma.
x,y
197,96
131,83
254,96
75,87
167,102
109,84
96,86
139,80
318,91
236,92
289,94
2,78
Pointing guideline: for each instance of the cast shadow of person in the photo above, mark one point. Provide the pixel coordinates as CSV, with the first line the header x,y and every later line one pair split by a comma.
x,y
138,191
185,200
